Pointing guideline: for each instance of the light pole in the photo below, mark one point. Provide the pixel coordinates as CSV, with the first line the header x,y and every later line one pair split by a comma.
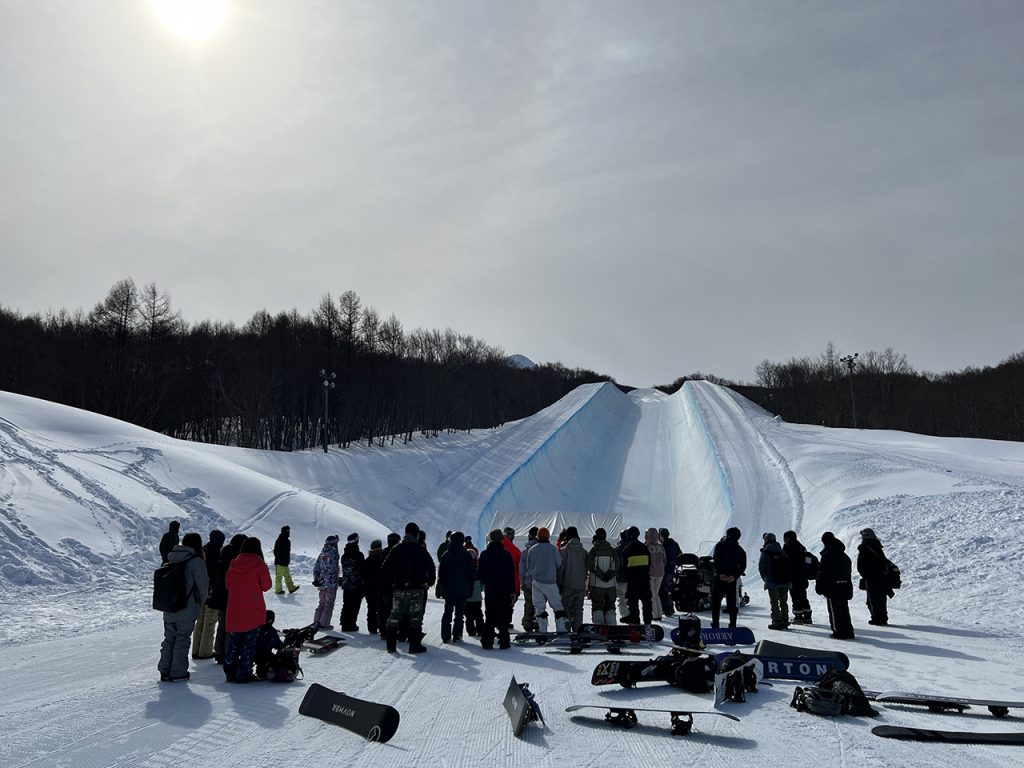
x,y
850,361
327,382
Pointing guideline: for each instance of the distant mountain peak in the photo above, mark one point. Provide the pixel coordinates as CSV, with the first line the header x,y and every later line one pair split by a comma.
x,y
521,361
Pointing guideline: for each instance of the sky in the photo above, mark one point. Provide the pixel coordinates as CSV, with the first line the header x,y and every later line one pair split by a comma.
x,y
643,189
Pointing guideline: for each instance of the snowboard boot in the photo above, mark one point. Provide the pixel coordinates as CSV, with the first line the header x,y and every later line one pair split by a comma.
x,y
416,645
561,622
392,639
446,633
542,622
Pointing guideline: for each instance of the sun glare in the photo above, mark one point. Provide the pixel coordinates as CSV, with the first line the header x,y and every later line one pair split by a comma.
x,y
191,20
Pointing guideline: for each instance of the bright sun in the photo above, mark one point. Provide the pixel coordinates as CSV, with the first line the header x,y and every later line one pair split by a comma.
x,y
192,20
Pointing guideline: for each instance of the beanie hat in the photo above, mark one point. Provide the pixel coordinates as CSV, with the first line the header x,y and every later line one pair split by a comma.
x,y
393,538
376,544
769,538
496,535
634,532
663,532
271,616
353,538
510,532
867,533
285,528
411,529
174,525
332,539
827,536
571,533
733,533
532,533
543,534
600,534
458,538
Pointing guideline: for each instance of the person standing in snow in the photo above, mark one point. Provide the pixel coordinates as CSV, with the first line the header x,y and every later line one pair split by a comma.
x,y
797,554
730,564
510,547
410,571
386,594
620,575
352,561
835,584
497,573
873,567
247,579
658,561
219,594
776,573
542,567
475,601
282,561
672,552
178,625
529,617
325,578
455,573
169,540
441,549
206,625
602,563
636,563
371,585
572,577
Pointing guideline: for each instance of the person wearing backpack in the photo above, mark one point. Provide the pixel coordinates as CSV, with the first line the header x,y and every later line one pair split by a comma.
x,y
873,567
835,584
282,561
268,643
352,562
187,561
730,563
247,579
776,573
797,554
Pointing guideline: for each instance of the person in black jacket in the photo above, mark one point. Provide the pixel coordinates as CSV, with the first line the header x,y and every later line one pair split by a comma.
x,y
873,567
219,593
386,593
283,559
730,564
410,571
351,583
797,554
672,552
371,584
169,540
835,584
455,575
497,572
206,625
636,562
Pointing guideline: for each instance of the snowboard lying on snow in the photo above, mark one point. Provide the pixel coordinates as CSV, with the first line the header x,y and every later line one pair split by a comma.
x,y
944,703
720,636
625,715
372,721
951,737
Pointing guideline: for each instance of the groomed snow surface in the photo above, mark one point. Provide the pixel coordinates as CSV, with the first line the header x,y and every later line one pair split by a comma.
x,y
84,500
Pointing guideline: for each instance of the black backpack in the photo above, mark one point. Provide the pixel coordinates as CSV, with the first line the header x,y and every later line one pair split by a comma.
x,y
892,573
811,566
695,674
170,590
854,702
780,570
688,635
284,666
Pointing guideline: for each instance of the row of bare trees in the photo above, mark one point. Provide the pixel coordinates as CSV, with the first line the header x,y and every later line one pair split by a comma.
x,y
133,357
883,391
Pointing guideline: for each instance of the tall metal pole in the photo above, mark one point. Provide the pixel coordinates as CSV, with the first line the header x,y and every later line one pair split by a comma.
x,y
327,382
850,361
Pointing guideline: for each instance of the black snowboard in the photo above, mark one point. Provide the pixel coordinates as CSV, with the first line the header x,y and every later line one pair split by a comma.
x,y
521,706
633,633
374,722
663,669
950,737
943,703
625,716
322,644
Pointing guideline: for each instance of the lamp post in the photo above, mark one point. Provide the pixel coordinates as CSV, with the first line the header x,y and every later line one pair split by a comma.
x,y
850,361
327,382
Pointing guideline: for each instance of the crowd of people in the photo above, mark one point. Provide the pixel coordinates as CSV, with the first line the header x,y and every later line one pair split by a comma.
x,y
629,582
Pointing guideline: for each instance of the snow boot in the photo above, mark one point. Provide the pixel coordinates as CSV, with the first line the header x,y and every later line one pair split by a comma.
x,y
416,645
561,622
392,638
542,622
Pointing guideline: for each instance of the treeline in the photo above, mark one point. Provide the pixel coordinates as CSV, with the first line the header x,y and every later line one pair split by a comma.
x,y
881,390
259,385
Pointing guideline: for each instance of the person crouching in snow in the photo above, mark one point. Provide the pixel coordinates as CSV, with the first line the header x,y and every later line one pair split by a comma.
x,y
268,643
542,565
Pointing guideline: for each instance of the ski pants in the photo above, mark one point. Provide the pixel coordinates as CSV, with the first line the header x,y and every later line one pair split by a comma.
x,y
351,602
174,648
372,612
458,609
325,607
529,615
384,602
572,600
408,604
726,589
602,605
878,598
620,598
777,596
474,617
498,609
544,595
241,654
220,641
638,601
665,595
205,632
656,605
801,605
281,573
839,617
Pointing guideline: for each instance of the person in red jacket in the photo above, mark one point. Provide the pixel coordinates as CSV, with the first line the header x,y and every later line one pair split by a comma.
x,y
517,554
247,579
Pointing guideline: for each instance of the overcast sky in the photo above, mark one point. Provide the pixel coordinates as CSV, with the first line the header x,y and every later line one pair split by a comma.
x,y
645,189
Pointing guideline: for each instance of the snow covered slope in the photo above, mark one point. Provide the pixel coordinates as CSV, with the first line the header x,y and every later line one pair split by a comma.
x,y
84,499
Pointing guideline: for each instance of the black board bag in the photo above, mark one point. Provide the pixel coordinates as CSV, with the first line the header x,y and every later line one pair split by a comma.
x,y
372,721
